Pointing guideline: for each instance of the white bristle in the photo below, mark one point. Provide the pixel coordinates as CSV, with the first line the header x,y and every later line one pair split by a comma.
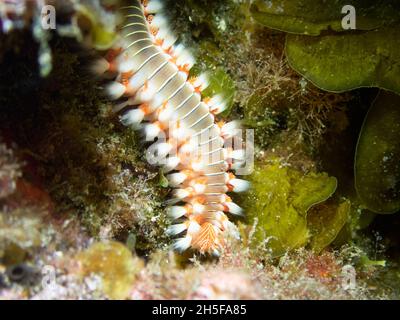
x,y
138,80
156,101
199,188
163,149
169,41
151,130
239,185
193,228
226,177
234,208
177,178
217,104
176,212
135,100
178,49
198,208
132,117
146,92
201,81
127,66
230,129
154,6
188,147
159,21
182,244
162,33
100,66
190,62
166,114
180,133
197,166
175,229
115,90
171,163
181,193
220,218
219,108
185,58
183,76
215,100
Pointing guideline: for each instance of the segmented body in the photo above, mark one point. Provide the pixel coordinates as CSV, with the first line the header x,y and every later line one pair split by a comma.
x,y
152,78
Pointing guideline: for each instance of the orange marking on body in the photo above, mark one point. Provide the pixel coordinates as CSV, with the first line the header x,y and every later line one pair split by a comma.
x,y
198,89
125,77
145,3
112,54
162,108
195,180
226,208
184,68
154,30
189,208
145,85
112,66
160,125
230,187
174,59
170,51
150,18
145,108
159,42
189,174
201,180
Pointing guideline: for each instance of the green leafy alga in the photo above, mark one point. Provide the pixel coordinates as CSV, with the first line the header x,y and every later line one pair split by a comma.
x,y
278,203
377,163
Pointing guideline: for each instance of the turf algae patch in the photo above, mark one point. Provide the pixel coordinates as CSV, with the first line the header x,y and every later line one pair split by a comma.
x,y
326,221
377,163
115,265
311,17
344,62
279,201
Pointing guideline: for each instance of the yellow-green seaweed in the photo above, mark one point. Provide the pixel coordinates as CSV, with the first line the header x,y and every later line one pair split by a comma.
x,y
311,17
326,222
278,203
377,163
344,62
114,263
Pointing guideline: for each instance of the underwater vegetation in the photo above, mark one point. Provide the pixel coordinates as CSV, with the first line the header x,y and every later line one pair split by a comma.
x,y
81,210
318,49
279,203
376,166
